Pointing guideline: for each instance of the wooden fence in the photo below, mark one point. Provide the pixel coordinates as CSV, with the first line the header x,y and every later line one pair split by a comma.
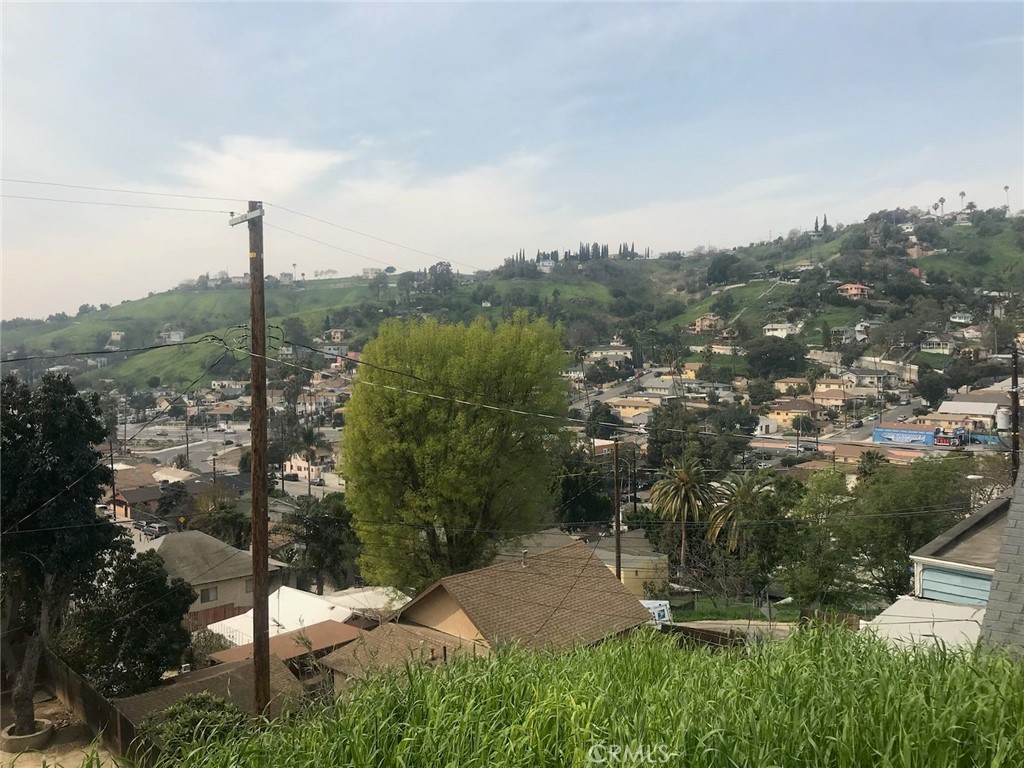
x,y
116,731
711,638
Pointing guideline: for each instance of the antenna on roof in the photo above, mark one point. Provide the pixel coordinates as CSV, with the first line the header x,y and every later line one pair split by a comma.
x,y
524,558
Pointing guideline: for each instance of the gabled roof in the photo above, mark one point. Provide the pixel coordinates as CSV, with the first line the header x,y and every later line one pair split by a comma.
x,y
796,404
320,636
972,541
232,682
968,408
290,609
199,558
557,600
140,495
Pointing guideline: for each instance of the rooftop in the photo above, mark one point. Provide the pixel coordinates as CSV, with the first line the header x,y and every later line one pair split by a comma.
x,y
968,408
972,541
199,558
289,645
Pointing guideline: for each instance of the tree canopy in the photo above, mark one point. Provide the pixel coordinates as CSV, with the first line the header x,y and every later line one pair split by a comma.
x,y
434,480
53,543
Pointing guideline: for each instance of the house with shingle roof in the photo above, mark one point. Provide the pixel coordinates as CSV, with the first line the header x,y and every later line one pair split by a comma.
x,y
1004,617
555,601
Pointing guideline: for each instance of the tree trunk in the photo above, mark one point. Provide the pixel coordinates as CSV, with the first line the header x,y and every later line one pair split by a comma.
x,y
25,687
319,583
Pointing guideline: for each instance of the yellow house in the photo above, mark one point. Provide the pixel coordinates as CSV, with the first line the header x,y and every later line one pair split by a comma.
x,y
689,371
629,407
785,411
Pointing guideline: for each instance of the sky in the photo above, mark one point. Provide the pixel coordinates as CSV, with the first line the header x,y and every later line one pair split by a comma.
x,y
466,132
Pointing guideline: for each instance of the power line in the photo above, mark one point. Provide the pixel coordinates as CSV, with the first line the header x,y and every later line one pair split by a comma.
x,y
367,235
325,243
205,338
123,191
114,205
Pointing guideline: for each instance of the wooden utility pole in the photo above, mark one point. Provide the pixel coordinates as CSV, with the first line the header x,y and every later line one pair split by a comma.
x,y
214,460
113,478
1015,416
618,511
258,468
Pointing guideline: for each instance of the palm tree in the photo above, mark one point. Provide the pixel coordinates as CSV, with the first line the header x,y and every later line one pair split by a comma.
x,y
310,441
579,354
962,196
935,207
972,206
684,494
942,205
738,494
870,462
1006,189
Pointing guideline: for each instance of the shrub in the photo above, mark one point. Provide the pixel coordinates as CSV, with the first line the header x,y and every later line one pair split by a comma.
x,y
197,717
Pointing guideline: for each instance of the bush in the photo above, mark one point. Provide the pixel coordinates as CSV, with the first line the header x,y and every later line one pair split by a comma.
x,y
196,717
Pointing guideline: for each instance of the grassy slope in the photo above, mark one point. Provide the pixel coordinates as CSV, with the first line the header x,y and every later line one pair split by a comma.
x,y
758,309
822,698
1002,249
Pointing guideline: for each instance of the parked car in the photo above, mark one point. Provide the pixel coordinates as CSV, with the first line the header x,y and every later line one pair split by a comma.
x,y
319,481
764,465
291,476
857,424
902,418
161,433
156,530
229,442
808,448
138,524
792,447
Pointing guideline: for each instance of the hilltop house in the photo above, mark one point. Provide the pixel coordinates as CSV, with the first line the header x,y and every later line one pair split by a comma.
x,y
832,398
554,601
869,377
953,577
797,383
842,334
855,291
963,318
707,323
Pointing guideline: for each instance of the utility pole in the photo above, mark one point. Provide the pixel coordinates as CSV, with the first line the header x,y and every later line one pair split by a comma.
x,y
113,477
214,460
1015,416
258,467
187,459
618,511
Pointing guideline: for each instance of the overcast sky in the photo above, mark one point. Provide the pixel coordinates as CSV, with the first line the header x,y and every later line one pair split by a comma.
x,y
471,131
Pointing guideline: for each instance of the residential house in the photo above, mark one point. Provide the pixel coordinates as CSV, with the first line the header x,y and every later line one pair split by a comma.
x,y
1004,617
335,335
300,648
855,291
862,330
333,351
842,334
232,384
767,426
689,370
963,220
919,273
545,266
782,330
233,682
832,398
785,411
136,503
939,343
796,383
953,582
828,382
627,408
294,609
708,322
871,378
220,574
171,336
963,318
974,333
297,464
554,601
371,272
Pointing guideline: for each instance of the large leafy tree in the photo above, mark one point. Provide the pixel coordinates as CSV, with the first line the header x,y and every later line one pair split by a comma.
x,y
310,442
327,545
130,631
219,514
771,356
584,499
602,421
53,543
900,510
434,480
683,495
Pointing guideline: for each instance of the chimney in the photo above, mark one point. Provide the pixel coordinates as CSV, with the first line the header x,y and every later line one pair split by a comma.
x,y
524,558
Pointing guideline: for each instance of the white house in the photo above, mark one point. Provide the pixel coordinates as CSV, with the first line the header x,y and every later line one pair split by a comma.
x,y
939,343
782,330
963,318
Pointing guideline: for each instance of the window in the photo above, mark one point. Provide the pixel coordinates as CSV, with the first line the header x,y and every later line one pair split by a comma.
x,y
208,595
248,585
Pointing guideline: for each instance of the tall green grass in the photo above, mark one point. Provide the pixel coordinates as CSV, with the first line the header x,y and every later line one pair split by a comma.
x,y
825,697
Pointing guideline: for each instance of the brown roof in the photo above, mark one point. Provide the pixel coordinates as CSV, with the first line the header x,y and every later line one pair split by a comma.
x,y
232,682
974,540
796,404
834,393
558,600
394,645
320,636
137,476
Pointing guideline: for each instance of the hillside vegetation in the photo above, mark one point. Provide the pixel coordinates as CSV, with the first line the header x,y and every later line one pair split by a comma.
x,y
825,697
644,301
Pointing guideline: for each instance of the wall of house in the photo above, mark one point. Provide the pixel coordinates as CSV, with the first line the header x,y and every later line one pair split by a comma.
x,y
954,586
234,596
440,611
653,570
